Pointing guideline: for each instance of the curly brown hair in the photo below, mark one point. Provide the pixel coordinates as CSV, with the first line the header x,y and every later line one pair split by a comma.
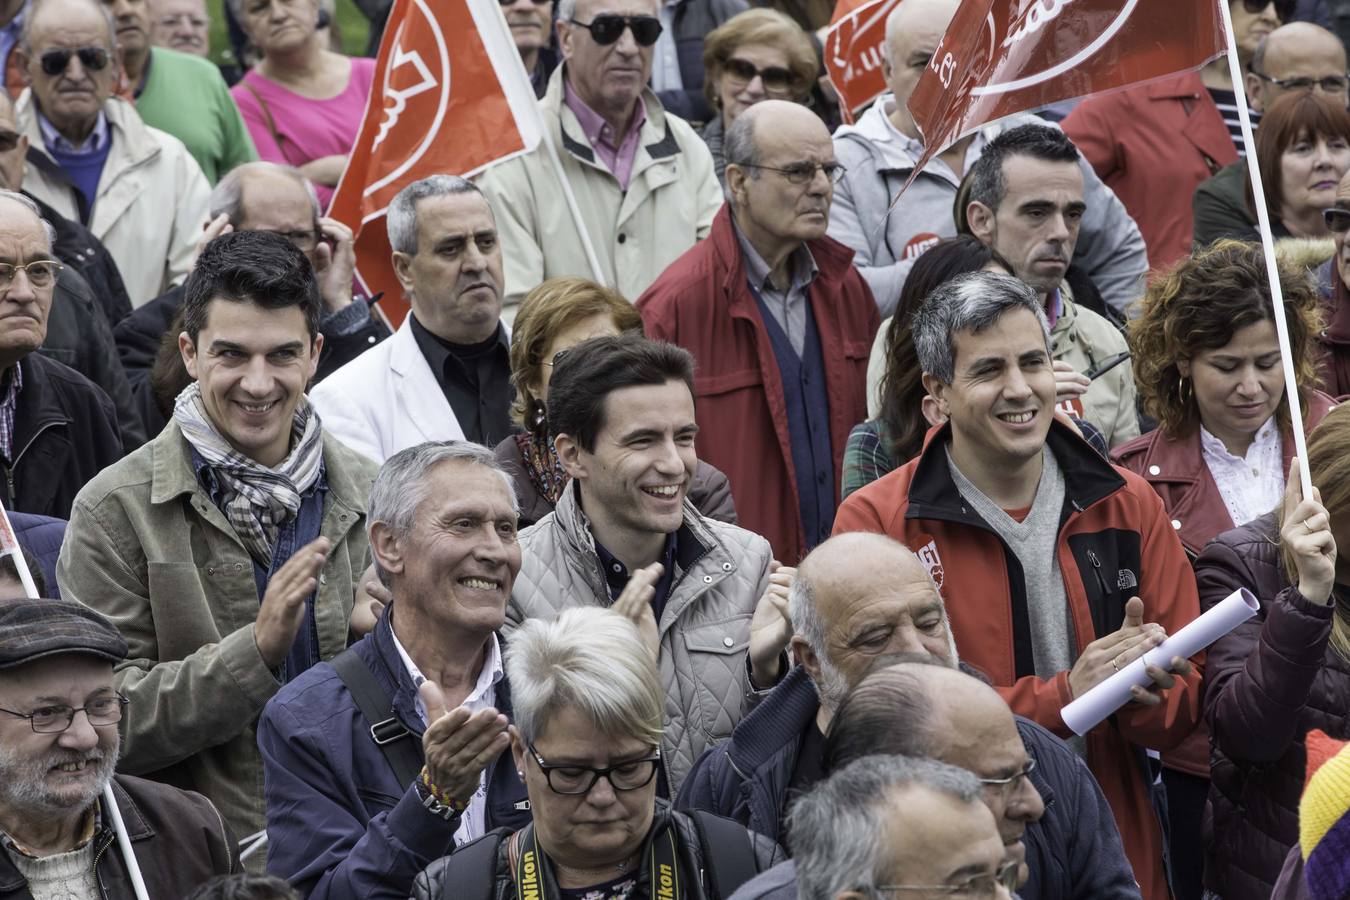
x,y
1200,304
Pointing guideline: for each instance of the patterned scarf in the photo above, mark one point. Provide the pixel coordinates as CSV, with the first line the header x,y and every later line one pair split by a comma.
x,y
257,500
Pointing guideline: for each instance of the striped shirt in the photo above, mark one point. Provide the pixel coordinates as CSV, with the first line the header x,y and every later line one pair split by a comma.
x,y
10,386
1226,101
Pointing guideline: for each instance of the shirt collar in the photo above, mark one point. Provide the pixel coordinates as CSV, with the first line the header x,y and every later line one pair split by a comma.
x,y
801,263
617,574
491,673
593,125
53,139
12,384
1266,435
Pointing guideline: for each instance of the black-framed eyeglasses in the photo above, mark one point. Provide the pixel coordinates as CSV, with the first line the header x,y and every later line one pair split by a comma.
x,y
41,273
803,172
574,779
1330,84
979,886
54,62
607,28
1010,784
56,719
1337,219
776,79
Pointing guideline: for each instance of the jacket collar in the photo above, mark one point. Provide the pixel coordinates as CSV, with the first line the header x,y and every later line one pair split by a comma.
x,y
131,139
833,261
37,407
775,724
1186,84
1088,479
655,137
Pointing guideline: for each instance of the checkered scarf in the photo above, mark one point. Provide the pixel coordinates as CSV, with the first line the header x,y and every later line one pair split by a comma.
x,y
257,500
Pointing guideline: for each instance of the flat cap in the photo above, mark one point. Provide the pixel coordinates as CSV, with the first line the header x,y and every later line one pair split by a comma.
x,y
32,629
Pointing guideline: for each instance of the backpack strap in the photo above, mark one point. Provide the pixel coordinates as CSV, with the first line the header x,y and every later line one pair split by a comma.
x,y
728,852
470,872
399,745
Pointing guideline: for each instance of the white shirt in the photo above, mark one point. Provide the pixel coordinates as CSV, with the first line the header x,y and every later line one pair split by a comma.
x,y
1253,485
483,696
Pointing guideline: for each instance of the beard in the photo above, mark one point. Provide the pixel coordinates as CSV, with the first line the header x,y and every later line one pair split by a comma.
x,y
24,787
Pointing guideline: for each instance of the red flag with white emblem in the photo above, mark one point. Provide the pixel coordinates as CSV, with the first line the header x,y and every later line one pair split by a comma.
x,y
853,52
450,96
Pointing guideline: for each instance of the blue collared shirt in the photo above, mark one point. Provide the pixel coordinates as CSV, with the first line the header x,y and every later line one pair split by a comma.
x,y
96,142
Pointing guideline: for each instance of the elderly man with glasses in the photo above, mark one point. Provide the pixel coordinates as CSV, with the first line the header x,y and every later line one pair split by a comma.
x,y
94,160
643,180
58,749
779,323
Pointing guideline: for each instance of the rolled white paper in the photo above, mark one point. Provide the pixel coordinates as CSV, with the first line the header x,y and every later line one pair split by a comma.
x,y
1085,713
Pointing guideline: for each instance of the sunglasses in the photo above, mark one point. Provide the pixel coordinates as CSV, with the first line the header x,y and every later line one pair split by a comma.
x,y
1338,220
607,28
776,79
8,140
54,62
1283,8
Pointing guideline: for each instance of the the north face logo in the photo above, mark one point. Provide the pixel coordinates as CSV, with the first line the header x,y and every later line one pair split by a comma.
x,y
1126,581
928,555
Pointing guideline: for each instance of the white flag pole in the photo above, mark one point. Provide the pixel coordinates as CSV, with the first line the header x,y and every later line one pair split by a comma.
x,y
9,546
1268,245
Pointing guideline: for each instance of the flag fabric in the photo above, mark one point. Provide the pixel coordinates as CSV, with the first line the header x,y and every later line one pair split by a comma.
x,y
1001,57
450,96
852,52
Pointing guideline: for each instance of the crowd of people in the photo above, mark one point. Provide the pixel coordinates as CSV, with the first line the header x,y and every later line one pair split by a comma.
x,y
758,556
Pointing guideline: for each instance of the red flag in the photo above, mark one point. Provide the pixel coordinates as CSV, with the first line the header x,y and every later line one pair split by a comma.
x,y
450,96
853,52
1001,57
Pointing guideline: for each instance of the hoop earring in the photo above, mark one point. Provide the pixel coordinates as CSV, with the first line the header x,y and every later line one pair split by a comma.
x,y
1183,394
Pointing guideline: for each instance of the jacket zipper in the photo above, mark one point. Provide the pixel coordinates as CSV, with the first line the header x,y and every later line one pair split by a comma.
x,y
9,468
1097,570
98,876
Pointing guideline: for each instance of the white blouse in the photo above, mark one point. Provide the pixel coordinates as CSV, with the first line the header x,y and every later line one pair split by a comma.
x,y
1253,485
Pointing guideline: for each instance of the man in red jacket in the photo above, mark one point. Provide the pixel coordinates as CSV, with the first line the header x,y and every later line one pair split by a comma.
x,y
780,325
1087,550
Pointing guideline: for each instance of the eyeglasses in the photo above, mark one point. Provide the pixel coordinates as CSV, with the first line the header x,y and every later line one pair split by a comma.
x,y
8,140
803,172
979,886
1009,785
607,28
304,241
56,719
184,19
41,273
626,776
1331,84
513,2
54,62
1338,220
776,79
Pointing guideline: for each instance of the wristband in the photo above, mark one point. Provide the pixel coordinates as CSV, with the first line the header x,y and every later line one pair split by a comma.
x,y
435,797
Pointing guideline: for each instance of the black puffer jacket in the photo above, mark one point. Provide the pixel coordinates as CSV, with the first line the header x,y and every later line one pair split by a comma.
x,y
1268,683
431,884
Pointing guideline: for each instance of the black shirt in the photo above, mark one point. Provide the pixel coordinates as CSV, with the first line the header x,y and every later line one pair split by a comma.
x,y
617,574
476,381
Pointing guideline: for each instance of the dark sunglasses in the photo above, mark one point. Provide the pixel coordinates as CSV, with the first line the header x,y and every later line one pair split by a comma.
x,y
607,28
8,140
54,62
1283,8
1338,220
776,79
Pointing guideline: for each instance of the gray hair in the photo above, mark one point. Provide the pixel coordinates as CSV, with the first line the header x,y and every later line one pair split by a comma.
x,y
590,659
32,207
738,145
228,195
567,10
970,302
26,31
401,485
838,833
401,217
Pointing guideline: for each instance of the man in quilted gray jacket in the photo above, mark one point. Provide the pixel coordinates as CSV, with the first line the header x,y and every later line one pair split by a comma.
x,y
621,411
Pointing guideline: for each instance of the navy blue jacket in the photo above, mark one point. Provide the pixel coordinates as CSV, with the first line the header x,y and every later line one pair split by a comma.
x,y
338,823
42,537
1074,851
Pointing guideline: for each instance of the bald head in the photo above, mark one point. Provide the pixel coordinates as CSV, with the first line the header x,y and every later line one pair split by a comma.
x,y
913,32
59,14
1299,50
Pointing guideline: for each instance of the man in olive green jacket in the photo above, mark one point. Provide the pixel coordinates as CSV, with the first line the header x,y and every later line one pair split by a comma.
x,y
228,549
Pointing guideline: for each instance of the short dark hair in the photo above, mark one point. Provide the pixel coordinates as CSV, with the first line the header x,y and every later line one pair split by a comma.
x,y
244,886
987,184
889,712
256,267
584,375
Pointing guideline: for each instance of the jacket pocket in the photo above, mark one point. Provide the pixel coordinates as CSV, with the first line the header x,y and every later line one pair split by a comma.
x,y
726,382
716,652
183,620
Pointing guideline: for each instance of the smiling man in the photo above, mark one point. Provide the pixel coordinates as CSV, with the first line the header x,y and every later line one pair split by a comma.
x,y
242,517
1087,551
780,324
58,749
621,410
445,375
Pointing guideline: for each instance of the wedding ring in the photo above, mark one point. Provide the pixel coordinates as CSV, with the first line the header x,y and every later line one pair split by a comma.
x,y
1114,662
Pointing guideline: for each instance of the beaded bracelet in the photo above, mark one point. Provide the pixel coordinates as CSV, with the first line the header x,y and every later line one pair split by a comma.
x,y
439,795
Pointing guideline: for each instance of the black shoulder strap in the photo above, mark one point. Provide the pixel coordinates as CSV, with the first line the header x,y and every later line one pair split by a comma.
x,y
728,852
470,873
398,744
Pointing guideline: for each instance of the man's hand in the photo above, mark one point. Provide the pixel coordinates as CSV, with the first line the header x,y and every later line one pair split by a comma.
x,y
210,231
457,745
1069,382
1307,534
371,599
635,603
334,262
283,605
1105,656
771,628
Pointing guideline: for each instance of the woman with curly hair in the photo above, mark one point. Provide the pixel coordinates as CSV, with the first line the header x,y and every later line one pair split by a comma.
x,y
1207,364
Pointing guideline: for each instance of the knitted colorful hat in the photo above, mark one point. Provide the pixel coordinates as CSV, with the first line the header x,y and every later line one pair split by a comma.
x,y
1324,818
